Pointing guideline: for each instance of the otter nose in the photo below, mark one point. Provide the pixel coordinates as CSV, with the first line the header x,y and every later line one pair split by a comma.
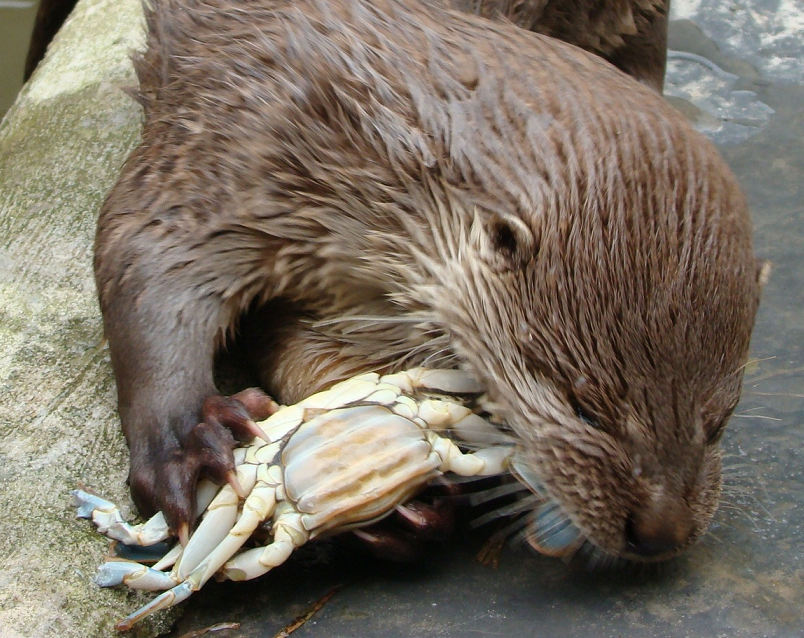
x,y
661,528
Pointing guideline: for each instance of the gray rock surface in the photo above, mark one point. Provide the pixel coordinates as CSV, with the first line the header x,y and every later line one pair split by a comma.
x,y
61,147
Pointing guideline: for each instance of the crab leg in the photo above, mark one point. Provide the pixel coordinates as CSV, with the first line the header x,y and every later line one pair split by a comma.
x,y
445,381
167,599
258,507
288,535
205,544
216,524
109,521
221,513
106,516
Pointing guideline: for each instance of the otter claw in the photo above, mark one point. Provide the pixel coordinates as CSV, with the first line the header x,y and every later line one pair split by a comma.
x,y
231,479
184,534
258,432
237,412
389,545
430,522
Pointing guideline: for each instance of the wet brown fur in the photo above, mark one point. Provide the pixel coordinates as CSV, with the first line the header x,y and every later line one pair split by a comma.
x,y
401,184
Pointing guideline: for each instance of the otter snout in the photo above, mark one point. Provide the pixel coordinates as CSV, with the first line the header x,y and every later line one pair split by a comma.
x,y
662,528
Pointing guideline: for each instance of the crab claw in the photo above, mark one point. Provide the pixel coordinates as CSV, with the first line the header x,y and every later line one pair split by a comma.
x,y
552,533
550,530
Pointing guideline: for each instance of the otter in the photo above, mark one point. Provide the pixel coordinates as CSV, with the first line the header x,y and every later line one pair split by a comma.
x,y
393,183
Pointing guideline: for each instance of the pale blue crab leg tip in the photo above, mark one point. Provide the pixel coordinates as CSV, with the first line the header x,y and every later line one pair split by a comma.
x,y
113,574
170,598
87,503
559,540
133,575
548,515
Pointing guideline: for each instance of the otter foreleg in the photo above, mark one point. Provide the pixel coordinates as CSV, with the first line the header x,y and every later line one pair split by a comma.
x,y
167,299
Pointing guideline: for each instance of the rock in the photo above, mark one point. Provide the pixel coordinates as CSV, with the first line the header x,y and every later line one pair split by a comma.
x,y
61,146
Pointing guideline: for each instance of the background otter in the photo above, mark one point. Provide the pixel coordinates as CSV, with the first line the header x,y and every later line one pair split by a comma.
x,y
402,184
631,34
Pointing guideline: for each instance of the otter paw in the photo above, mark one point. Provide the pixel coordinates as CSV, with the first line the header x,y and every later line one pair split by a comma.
x,y
164,474
429,518
166,468
239,412
388,543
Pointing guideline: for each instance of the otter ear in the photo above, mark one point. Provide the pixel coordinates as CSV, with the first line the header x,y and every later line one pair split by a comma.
x,y
513,244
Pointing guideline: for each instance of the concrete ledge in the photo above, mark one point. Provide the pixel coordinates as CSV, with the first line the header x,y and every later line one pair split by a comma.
x,y
61,146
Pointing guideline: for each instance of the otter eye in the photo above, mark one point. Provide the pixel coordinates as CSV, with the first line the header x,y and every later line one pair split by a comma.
x,y
588,419
503,238
715,424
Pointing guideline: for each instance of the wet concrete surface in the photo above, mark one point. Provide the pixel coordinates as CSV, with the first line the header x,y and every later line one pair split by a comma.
x,y
737,72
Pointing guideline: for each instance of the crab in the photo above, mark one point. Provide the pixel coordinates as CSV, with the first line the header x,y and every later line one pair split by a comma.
x,y
340,459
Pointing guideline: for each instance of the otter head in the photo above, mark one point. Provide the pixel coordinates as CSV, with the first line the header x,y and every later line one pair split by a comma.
x,y
608,307
578,246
